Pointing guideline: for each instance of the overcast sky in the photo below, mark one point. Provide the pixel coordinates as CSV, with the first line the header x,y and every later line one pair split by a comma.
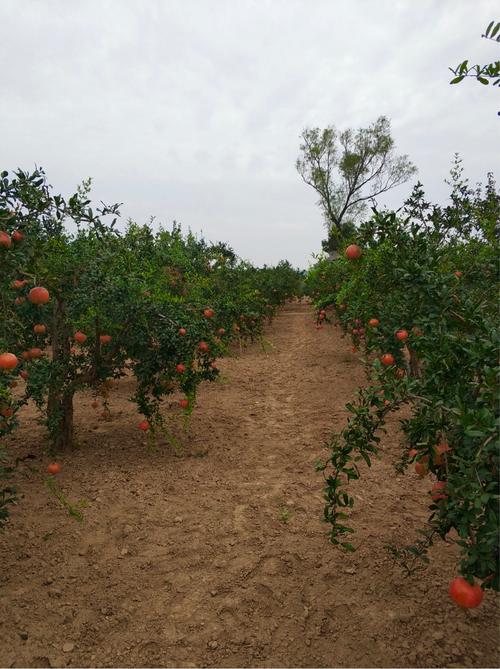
x,y
193,109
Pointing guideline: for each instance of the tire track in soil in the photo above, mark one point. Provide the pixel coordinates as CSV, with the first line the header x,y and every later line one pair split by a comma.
x,y
184,561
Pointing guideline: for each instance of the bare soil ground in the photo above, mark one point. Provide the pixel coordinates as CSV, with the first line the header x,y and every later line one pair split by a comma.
x,y
219,556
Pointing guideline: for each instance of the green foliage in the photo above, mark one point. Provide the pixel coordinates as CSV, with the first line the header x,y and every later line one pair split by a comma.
x,y
349,168
284,514
413,558
484,74
130,293
74,510
433,272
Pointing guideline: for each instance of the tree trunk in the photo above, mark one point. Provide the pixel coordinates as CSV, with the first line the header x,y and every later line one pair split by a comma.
x,y
414,363
60,414
61,391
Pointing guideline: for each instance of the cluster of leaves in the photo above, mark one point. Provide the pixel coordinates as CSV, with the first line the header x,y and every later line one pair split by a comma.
x,y
483,73
159,305
430,275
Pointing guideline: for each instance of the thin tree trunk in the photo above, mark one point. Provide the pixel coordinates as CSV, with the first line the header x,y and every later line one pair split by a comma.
x,y
414,363
60,398
60,413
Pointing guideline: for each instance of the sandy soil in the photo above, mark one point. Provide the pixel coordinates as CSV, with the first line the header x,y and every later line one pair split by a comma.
x,y
186,560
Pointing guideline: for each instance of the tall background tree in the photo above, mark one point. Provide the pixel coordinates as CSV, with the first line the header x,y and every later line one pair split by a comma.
x,y
349,168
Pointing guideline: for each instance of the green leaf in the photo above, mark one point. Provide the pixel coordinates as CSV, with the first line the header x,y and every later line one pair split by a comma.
x,y
348,547
463,67
457,80
483,81
486,34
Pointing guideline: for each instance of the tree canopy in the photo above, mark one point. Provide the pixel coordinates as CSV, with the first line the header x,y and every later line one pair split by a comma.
x,y
349,168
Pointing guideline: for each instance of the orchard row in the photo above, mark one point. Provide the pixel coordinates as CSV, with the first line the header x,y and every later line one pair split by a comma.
x,y
418,295
83,304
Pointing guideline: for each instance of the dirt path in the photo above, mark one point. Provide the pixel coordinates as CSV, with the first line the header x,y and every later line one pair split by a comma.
x,y
188,561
